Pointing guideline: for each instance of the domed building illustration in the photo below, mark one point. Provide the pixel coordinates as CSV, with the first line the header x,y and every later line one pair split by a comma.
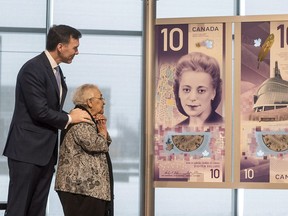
x,y
271,100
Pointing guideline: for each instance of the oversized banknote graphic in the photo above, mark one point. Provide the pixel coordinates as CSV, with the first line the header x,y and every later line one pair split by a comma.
x,y
264,104
186,153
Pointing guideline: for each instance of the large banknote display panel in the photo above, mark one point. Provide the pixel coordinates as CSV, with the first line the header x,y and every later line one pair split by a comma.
x,y
261,102
221,117
192,83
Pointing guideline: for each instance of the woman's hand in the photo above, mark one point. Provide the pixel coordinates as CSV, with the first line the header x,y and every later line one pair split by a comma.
x,y
101,124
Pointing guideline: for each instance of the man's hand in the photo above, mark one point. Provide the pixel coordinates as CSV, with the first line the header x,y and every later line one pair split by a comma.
x,y
78,115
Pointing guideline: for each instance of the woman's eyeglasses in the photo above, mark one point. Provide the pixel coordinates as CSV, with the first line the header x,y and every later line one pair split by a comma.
x,y
101,98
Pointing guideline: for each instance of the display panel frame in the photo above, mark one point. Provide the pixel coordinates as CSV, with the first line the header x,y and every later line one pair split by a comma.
x,y
232,100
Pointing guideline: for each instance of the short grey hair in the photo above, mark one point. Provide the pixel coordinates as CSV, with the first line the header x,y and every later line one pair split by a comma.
x,y
84,93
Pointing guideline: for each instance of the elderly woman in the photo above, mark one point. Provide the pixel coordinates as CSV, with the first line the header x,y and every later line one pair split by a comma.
x,y
84,180
198,89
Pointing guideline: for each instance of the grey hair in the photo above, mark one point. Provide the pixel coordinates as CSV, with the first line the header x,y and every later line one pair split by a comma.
x,y
83,93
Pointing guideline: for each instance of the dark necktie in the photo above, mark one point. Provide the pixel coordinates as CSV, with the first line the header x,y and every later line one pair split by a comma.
x,y
58,77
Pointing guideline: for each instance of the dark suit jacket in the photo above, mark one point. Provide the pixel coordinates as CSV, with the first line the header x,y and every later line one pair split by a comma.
x,y
38,115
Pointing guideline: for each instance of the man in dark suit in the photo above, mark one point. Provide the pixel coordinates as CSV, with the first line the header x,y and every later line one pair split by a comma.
x,y
32,142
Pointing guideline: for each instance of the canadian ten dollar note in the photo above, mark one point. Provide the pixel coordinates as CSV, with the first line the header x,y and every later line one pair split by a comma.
x,y
264,102
185,151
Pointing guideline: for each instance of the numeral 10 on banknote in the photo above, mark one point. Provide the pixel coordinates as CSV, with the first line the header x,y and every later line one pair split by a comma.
x,y
248,173
172,39
283,33
215,173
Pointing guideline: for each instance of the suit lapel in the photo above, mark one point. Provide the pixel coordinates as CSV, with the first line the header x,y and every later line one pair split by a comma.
x,y
54,81
50,73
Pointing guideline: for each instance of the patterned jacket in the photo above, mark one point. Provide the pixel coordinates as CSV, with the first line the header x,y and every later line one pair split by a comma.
x,y
82,167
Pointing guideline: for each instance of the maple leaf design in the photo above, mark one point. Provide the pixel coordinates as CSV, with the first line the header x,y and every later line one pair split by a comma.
x,y
260,153
205,153
257,42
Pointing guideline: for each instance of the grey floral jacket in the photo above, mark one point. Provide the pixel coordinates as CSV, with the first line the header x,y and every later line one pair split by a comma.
x,y
82,167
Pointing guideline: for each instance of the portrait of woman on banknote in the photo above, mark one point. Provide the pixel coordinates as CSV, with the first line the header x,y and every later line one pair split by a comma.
x,y
198,89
